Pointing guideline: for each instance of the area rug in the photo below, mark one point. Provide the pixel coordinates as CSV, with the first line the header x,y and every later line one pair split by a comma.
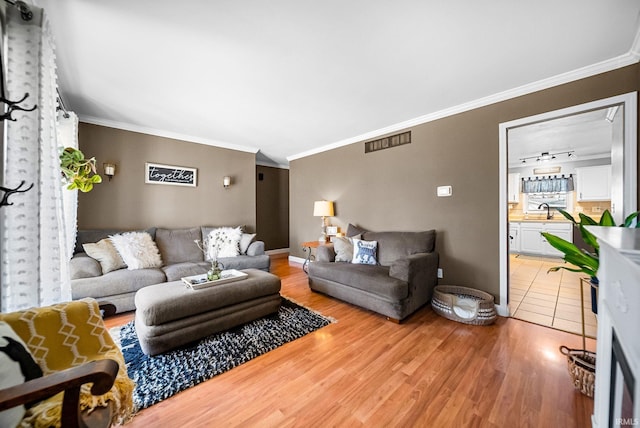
x,y
161,376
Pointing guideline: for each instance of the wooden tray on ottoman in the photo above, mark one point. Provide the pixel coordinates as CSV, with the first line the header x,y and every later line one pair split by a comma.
x,y
464,304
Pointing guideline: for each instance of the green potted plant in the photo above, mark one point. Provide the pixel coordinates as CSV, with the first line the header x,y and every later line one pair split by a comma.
x,y
583,260
78,172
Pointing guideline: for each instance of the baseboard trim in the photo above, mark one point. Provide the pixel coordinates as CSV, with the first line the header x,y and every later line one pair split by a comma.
x,y
277,251
503,310
296,259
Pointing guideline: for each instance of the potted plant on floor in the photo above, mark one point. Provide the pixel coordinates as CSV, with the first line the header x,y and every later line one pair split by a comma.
x,y
581,362
583,260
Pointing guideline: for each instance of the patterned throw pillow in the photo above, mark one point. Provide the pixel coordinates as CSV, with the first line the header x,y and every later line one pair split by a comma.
x,y
224,242
16,367
137,250
364,252
104,252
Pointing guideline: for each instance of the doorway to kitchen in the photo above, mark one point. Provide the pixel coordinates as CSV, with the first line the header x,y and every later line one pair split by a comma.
x,y
582,160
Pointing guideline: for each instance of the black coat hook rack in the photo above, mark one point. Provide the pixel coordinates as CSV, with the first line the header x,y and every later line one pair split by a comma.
x,y
13,106
8,192
23,8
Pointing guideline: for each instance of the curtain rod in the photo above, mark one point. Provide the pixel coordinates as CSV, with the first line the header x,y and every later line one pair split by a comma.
x,y
25,12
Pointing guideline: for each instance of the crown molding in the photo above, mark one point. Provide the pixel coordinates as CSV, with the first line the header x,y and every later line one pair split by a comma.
x,y
272,165
166,134
632,57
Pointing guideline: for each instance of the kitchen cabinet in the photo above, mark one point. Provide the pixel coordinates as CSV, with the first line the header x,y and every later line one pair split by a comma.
x,y
514,237
532,242
594,183
513,185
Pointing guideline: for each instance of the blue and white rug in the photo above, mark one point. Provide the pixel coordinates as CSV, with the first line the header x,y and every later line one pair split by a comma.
x,y
161,376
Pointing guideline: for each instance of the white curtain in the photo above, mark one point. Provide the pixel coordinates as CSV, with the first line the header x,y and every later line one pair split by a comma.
x,y
68,137
32,251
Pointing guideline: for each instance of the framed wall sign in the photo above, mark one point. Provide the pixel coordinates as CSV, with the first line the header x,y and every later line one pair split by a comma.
x,y
156,173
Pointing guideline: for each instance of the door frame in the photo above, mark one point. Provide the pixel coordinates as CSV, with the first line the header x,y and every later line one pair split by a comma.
x,y
630,102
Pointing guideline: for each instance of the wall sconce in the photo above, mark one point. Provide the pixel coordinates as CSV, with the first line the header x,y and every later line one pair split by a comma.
x,y
109,170
226,181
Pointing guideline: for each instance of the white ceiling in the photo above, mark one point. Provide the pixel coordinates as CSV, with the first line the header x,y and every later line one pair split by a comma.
x,y
587,135
288,77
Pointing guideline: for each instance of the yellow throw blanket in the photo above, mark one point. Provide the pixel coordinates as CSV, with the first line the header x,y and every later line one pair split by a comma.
x,y
67,335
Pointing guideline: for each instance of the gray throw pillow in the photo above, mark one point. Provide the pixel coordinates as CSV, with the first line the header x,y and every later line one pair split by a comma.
x,y
352,230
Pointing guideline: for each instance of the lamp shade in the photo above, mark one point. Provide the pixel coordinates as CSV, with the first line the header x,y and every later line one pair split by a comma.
x,y
323,209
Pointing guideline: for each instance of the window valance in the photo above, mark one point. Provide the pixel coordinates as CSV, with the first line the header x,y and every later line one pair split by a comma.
x,y
550,184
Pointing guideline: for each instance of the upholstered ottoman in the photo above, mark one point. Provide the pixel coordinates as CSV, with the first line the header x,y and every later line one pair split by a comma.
x,y
169,314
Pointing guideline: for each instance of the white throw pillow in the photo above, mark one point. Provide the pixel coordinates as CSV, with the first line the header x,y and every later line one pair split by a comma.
x,y
15,358
364,252
224,242
137,250
104,252
245,241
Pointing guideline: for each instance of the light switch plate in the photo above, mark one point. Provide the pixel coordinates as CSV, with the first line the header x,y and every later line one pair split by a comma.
x,y
444,191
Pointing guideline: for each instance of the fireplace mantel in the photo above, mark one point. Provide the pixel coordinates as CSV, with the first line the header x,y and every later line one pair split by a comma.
x,y
617,387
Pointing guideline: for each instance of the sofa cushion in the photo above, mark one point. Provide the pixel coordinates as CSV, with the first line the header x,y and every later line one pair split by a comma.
x,y
178,245
396,245
83,266
262,262
364,252
179,270
106,254
137,250
117,282
372,279
87,236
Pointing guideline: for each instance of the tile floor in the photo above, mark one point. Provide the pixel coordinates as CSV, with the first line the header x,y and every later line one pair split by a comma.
x,y
549,299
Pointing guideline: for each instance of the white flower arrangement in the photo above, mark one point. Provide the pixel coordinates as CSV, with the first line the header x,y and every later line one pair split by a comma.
x,y
210,248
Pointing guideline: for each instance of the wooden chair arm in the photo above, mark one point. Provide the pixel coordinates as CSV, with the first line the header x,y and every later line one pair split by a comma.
x,y
101,372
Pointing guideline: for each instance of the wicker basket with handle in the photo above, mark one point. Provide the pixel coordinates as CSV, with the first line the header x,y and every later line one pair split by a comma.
x,y
582,369
581,363
464,304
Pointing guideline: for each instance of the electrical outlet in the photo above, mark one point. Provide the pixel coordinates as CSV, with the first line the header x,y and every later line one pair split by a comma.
x,y
440,274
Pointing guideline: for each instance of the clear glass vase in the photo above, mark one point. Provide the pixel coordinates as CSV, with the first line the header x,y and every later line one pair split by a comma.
x,y
215,272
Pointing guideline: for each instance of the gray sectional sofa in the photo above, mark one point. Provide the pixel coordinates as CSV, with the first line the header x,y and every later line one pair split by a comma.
x,y
400,283
180,256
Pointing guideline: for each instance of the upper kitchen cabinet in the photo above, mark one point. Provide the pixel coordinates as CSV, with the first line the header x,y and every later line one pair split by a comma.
x,y
594,183
514,188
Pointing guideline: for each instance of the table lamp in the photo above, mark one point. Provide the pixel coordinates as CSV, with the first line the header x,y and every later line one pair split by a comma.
x,y
323,209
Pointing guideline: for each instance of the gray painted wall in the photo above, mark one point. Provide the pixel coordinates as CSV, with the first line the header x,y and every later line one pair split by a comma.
x,y
395,189
127,202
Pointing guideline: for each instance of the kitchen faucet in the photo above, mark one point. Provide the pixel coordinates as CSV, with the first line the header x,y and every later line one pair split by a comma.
x,y
549,216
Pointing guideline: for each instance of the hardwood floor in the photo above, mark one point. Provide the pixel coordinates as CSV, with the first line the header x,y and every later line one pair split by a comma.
x,y
367,371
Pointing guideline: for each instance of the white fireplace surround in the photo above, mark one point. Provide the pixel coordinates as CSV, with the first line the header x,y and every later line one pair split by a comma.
x,y
619,312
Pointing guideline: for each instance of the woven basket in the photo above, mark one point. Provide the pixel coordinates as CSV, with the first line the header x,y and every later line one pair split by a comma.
x,y
582,369
445,297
